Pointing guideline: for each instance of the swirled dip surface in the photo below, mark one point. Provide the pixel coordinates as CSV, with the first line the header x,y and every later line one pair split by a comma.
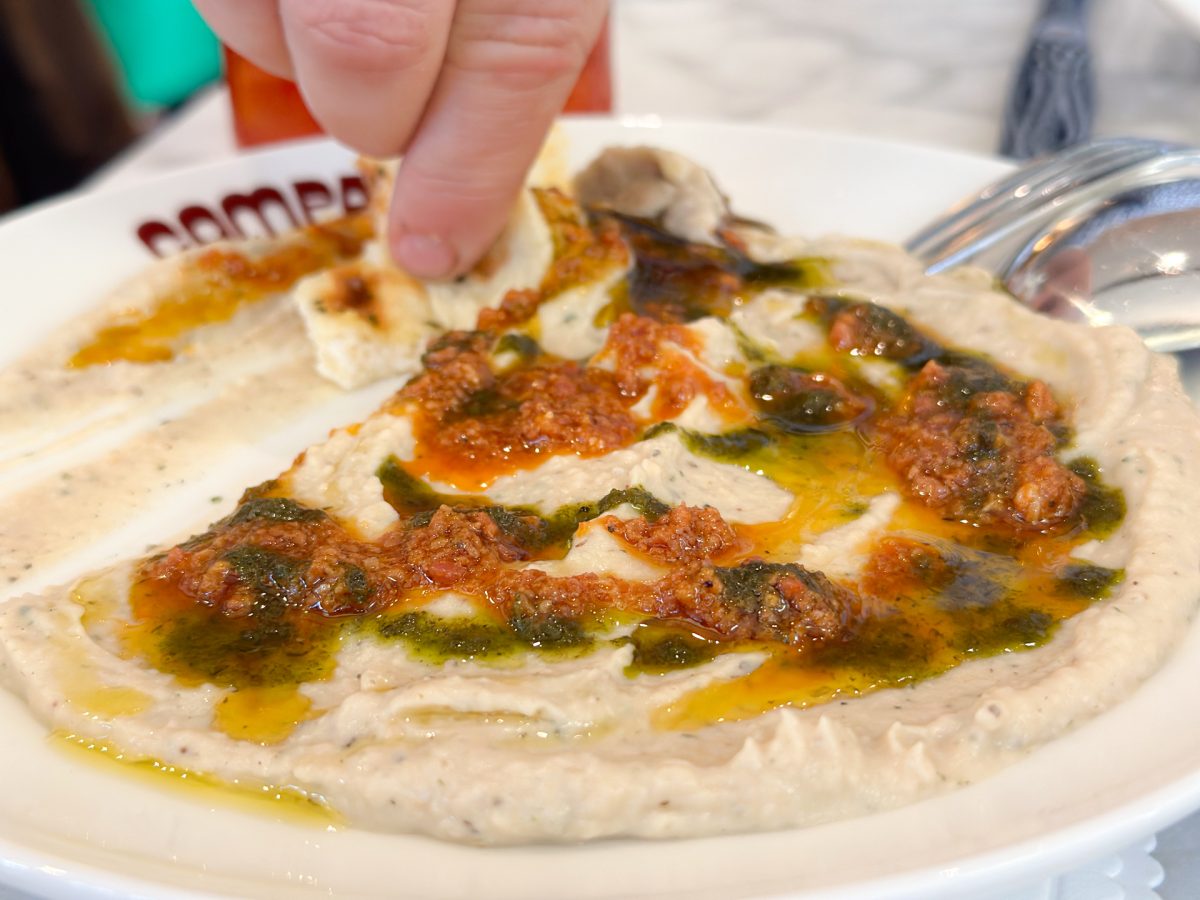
x,y
675,527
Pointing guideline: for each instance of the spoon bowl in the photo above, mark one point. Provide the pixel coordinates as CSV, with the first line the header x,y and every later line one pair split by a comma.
x,y
1134,260
1108,234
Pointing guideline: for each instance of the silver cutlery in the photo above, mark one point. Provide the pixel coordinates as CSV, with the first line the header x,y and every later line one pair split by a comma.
x,y
1107,232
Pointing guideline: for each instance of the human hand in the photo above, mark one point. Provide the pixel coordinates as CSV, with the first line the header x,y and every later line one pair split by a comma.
x,y
465,89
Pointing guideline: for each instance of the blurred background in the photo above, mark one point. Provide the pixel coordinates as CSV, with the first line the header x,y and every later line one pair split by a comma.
x,y
83,79
97,88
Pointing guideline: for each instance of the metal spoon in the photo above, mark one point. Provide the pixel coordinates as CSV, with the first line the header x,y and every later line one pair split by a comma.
x,y
1109,232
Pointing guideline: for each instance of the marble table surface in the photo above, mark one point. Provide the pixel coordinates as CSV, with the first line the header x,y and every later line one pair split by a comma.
x,y
934,72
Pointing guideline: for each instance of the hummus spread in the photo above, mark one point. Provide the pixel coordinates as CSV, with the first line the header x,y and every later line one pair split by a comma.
x,y
698,529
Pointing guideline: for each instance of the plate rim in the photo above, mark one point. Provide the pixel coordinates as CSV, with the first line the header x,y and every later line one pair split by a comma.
x,y
1119,827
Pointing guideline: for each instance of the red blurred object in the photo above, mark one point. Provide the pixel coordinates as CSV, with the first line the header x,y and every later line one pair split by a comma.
x,y
593,90
267,109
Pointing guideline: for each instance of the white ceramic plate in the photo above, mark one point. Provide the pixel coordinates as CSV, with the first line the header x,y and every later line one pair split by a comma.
x,y
69,828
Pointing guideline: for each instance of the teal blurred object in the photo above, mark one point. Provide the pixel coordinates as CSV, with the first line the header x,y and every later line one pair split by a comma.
x,y
165,50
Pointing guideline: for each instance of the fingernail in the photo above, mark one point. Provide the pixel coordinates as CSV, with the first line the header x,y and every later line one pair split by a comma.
x,y
425,255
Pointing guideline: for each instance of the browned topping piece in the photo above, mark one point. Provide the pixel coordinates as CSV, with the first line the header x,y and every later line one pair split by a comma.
x,y
356,292
753,601
450,346
814,610
1048,494
353,290
286,565
304,564
514,308
899,565
456,368
313,565
561,407
763,601
536,594
684,534
582,252
482,423
479,423
1040,403
634,342
979,447
867,329
456,549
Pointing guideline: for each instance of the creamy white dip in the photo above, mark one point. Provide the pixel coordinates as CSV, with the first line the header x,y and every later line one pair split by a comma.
x,y
572,748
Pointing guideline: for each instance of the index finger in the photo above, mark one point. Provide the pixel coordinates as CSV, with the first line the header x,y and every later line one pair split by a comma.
x,y
366,67
509,68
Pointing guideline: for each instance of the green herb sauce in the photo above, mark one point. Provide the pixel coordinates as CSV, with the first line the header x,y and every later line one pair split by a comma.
x,y
439,639
1103,505
525,526
660,647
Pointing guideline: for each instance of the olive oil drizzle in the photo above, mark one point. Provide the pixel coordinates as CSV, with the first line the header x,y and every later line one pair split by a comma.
x,y
292,803
214,286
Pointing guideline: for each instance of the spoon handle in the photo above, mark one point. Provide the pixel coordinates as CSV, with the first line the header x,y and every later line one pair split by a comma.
x,y
1051,103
